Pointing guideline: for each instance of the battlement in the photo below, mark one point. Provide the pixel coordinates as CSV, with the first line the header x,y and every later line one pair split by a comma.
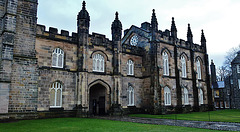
x,y
53,34
165,37
99,40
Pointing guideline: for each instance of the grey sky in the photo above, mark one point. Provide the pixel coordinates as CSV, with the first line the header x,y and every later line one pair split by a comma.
x,y
218,18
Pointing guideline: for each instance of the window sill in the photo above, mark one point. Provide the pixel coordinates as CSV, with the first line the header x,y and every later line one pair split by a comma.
x,y
56,108
167,104
57,67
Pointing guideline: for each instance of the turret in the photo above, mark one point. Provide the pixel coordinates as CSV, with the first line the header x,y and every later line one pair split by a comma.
x,y
154,22
203,40
173,29
189,34
83,20
116,29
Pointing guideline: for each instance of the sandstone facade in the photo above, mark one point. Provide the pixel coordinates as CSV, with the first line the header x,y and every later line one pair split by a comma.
x,y
44,71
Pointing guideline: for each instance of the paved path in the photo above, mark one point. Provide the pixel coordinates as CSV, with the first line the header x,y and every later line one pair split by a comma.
x,y
184,123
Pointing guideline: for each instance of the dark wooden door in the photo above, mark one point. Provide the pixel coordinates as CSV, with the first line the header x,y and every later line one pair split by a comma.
x,y
101,105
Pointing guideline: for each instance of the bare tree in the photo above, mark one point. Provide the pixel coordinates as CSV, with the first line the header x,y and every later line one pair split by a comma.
x,y
231,54
222,72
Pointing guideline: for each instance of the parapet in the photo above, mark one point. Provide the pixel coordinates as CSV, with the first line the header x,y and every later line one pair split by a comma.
x,y
54,35
166,38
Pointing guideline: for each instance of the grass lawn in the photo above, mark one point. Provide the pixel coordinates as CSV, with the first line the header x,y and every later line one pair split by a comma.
x,y
220,116
87,124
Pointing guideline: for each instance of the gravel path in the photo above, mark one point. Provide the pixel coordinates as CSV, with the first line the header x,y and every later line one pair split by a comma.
x,y
184,123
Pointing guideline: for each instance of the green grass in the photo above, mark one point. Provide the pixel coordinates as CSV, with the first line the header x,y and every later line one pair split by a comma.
x,y
219,116
87,124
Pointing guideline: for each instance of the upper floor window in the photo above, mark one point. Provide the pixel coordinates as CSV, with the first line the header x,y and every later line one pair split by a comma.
x,y
165,64
199,69
185,96
238,68
200,96
216,93
57,58
130,67
167,96
184,68
56,95
98,63
130,96
239,83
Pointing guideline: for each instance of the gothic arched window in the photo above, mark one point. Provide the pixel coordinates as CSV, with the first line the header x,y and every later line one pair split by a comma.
x,y
167,96
130,67
199,69
200,96
184,67
98,63
165,64
57,58
56,95
185,96
130,96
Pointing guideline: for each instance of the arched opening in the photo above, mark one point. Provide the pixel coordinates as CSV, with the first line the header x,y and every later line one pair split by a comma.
x,y
98,100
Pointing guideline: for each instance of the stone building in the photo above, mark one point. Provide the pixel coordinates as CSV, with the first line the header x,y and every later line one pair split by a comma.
x,y
233,82
221,90
147,70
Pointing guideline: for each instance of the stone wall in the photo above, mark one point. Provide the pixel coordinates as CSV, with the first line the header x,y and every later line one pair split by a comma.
x,y
68,80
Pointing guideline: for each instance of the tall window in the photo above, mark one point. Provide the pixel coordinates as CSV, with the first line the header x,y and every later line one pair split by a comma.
x,y
130,96
130,67
167,96
57,58
165,64
199,69
184,68
98,63
200,96
185,96
56,95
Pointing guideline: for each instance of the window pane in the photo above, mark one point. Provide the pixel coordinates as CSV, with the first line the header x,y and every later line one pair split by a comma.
x,y
52,97
58,101
60,60
54,60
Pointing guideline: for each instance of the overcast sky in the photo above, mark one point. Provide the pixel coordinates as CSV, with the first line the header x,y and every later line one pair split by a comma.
x,y
219,19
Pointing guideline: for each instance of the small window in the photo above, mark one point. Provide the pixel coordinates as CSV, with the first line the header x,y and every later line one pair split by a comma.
x,y
130,67
199,69
185,96
231,81
200,96
98,63
165,64
239,83
216,93
167,96
226,104
184,68
216,104
130,96
56,95
221,104
57,58
238,68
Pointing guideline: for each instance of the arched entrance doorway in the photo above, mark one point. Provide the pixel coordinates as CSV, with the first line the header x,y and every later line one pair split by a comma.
x,y
98,100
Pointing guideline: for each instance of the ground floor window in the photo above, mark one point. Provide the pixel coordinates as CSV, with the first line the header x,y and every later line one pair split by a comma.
x,y
200,96
56,95
185,96
167,96
130,96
